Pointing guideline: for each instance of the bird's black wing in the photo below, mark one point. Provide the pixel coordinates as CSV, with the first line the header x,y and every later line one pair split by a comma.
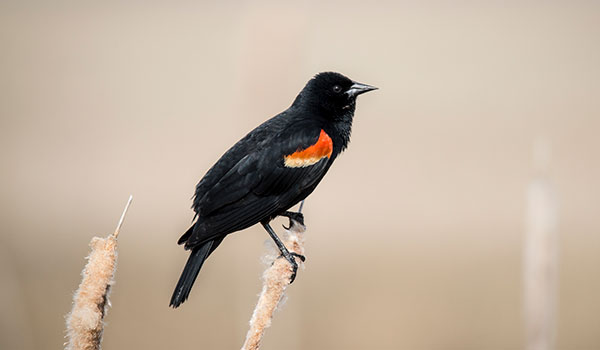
x,y
247,145
259,185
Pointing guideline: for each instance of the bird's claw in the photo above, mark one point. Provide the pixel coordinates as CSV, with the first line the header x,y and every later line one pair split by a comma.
x,y
294,270
293,216
293,263
299,256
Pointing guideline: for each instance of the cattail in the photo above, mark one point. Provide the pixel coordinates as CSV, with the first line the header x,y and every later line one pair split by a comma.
x,y
85,322
540,258
276,279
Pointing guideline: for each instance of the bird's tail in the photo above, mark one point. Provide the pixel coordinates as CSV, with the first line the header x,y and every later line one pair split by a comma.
x,y
191,270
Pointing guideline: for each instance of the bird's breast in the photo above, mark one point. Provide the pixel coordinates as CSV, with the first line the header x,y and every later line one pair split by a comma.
x,y
312,154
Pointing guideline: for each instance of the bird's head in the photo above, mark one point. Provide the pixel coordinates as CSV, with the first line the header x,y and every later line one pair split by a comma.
x,y
331,94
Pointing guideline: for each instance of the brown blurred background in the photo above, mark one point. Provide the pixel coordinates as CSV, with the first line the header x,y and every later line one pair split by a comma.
x,y
415,236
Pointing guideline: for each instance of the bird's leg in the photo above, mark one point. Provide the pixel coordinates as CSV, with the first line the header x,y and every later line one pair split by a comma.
x,y
284,251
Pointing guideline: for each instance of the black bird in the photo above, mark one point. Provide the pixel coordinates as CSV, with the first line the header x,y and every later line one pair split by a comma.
x,y
271,169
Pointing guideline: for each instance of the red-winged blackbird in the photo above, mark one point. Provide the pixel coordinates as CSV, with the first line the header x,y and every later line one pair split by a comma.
x,y
271,169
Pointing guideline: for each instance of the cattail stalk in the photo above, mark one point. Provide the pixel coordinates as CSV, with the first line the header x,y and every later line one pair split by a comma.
x,y
85,322
541,255
276,279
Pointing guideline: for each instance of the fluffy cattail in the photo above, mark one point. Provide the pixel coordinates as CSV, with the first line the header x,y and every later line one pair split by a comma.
x,y
276,278
85,322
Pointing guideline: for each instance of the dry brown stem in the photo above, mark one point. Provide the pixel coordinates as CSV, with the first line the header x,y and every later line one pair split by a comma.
x,y
276,278
540,258
85,322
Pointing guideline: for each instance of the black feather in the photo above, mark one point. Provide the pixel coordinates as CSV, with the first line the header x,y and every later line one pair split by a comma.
x,y
191,270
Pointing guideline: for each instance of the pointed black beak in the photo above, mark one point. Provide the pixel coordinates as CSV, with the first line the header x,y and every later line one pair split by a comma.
x,y
359,88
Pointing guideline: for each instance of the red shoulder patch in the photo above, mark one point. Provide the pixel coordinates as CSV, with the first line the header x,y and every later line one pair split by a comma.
x,y
311,155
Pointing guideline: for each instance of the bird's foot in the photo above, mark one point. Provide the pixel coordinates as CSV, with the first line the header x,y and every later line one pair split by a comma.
x,y
291,259
293,216
299,256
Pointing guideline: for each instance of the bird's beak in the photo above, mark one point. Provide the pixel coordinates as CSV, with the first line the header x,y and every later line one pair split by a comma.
x,y
359,88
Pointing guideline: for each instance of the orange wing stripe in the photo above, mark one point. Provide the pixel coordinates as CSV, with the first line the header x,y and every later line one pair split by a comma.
x,y
311,155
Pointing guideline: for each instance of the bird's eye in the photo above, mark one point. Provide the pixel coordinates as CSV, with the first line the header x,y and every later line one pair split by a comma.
x,y
337,89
